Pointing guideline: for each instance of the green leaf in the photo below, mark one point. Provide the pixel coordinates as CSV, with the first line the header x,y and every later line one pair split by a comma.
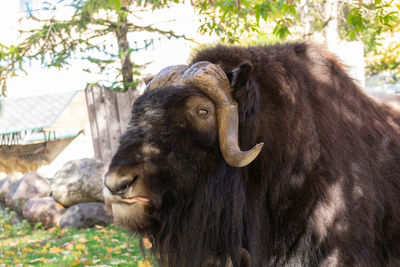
x,y
116,3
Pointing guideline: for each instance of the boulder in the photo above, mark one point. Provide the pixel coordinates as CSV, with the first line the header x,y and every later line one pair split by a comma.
x,y
31,185
12,216
8,199
2,180
79,181
85,215
3,211
45,210
5,185
15,219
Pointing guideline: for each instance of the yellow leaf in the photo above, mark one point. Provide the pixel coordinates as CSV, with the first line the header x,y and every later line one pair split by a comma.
x,y
109,250
7,226
80,247
75,263
55,250
27,250
86,261
144,264
9,253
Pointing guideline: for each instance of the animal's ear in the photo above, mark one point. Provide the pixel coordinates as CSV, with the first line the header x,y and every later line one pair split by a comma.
x,y
239,76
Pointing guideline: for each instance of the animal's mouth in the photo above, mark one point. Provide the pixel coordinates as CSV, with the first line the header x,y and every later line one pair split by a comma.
x,y
128,192
132,200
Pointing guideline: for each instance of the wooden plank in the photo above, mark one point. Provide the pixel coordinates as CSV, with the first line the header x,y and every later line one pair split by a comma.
x,y
133,94
124,110
101,118
112,118
92,120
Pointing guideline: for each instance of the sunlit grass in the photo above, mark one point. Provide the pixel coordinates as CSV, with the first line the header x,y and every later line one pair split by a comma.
x,y
27,245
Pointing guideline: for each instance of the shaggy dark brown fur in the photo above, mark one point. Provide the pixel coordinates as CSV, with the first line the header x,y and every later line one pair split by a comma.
x,y
325,190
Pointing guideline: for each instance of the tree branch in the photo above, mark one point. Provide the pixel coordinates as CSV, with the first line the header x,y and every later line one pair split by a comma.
x,y
160,31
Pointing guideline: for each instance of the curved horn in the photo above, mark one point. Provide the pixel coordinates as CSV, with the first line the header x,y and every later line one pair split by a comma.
x,y
167,76
212,80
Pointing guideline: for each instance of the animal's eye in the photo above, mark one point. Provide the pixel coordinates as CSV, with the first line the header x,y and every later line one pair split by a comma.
x,y
202,113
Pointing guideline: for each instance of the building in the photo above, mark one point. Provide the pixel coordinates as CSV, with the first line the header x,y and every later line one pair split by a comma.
x,y
35,131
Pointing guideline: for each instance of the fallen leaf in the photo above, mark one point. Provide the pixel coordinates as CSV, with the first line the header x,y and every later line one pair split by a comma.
x,y
55,250
147,243
27,250
80,247
144,264
75,263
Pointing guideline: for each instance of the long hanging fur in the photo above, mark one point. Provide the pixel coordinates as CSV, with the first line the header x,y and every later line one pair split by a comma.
x,y
323,192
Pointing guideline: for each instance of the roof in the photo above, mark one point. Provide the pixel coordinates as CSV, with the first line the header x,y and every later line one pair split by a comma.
x,y
32,113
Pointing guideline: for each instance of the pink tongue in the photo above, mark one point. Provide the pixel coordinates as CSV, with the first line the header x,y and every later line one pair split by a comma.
x,y
134,199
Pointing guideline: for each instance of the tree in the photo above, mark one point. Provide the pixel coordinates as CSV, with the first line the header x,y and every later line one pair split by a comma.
x,y
329,20
231,18
57,41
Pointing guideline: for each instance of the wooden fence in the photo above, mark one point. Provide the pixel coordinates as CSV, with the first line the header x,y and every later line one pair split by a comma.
x,y
109,114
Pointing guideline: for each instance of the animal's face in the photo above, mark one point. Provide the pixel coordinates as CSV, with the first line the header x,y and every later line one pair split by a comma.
x,y
179,137
172,134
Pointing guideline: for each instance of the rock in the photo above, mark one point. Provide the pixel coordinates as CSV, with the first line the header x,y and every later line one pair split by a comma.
x,y
3,211
31,185
1,184
5,185
79,181
85,215
12,217
8,199
2,180
45,210
15,219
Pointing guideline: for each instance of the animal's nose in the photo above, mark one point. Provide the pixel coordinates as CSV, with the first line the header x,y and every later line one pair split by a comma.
x,y
118,185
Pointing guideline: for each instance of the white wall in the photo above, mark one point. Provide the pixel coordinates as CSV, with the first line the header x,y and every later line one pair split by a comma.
x,y
80,147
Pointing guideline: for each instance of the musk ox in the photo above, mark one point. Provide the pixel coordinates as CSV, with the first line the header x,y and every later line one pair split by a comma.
x,y
260,156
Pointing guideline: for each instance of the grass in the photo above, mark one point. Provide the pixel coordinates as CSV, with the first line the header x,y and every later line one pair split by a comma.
x,y
26,245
